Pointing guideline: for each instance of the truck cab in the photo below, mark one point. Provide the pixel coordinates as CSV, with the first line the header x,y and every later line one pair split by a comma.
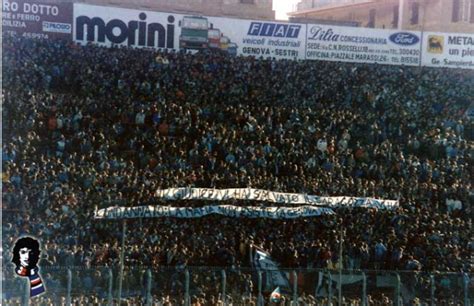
x,y
194,32
214,36
224,43
232,49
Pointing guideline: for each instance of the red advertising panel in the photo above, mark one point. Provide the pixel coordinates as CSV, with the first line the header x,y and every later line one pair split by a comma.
x,y
37,19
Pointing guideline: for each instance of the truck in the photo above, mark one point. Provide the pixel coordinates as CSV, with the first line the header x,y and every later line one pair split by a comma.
x,y
232,49
224,43
194,33
214,36
197,33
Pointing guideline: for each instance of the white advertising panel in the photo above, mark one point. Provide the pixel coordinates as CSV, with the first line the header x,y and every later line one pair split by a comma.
x,y
350,44
264,38
454,50
108,25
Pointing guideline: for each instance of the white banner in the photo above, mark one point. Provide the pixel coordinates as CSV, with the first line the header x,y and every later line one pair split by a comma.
x,y
198,212
351,44
454,50
270,196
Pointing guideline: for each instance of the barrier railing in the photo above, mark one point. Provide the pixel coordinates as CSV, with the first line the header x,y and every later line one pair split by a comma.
x,y
240,286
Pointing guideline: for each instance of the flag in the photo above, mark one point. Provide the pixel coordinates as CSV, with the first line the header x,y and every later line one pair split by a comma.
x,y
273,277
275,296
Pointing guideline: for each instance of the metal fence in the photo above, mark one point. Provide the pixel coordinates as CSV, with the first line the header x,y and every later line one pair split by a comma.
x,y
230,286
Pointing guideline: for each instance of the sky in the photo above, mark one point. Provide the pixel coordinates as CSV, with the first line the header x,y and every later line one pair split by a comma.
x,y
282,7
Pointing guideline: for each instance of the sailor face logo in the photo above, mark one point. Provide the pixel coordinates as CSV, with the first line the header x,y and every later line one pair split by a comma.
x,y
25,257
435,44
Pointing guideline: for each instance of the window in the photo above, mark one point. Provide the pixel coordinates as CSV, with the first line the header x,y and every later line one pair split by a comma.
x,y
415,13
395,16
472,12
464,11
371,23
456,10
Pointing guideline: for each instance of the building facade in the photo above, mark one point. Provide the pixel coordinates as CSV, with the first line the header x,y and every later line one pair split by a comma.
x,y
427,15
248,9
311,4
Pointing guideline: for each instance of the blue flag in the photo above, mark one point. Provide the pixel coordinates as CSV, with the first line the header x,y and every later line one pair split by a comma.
x,y
273,277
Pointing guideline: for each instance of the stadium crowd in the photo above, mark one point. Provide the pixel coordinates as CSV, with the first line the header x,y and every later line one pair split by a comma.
x,y
88,126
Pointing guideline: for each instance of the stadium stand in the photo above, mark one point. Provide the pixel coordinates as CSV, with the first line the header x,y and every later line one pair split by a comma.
x,y
87,127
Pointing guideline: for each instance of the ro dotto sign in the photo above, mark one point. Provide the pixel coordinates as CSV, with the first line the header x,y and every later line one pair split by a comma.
x,y
35,19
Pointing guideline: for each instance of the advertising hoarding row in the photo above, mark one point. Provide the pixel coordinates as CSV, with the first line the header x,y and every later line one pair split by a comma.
x,y
109,26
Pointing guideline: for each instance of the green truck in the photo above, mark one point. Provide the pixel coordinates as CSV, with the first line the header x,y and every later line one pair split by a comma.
x,y
194,33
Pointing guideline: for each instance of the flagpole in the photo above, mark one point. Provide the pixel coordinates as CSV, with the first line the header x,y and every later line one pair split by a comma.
x,y
339,285
122,255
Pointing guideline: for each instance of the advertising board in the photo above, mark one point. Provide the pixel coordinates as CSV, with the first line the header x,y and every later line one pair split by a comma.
x,y
37,19
453,50
265,39
107,26
349,44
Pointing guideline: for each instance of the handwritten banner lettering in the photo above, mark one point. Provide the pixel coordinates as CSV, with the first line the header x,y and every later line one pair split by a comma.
x,y
271,197
198,212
